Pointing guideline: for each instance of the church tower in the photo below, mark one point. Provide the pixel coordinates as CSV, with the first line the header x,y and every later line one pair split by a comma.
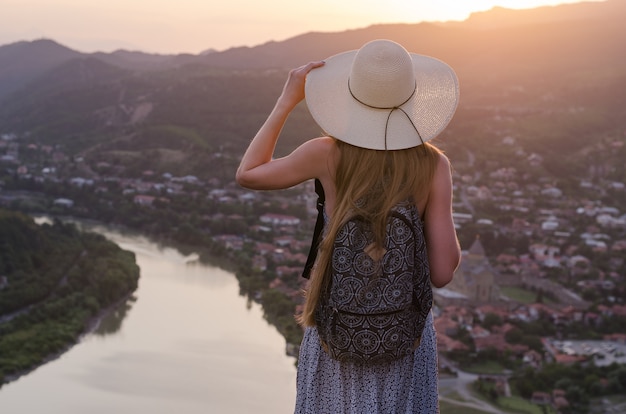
x,y
475,278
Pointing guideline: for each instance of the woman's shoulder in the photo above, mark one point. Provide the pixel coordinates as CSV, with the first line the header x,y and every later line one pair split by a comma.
x,y
324,150
443,160
322,144
443,168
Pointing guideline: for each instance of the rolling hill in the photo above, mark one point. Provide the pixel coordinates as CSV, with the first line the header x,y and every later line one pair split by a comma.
x,y
557,74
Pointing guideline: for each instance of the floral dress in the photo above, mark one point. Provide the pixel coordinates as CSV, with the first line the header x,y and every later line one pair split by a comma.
x,y
405,386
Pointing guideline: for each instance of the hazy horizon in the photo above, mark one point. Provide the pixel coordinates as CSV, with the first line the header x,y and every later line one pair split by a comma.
x,y
193,26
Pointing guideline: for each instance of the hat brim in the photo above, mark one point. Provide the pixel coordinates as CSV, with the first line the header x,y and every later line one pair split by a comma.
x,y
341,116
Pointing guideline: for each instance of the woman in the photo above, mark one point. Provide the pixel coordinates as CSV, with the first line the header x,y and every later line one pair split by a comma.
x,y
378,106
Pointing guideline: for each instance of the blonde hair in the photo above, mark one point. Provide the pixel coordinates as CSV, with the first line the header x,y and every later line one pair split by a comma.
x,y
369,183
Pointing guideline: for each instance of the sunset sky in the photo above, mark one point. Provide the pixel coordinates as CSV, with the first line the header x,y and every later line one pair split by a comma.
x,y
191,26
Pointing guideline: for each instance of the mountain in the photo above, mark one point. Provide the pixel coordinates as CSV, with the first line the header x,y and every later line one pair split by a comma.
x,y
23,62
498,29
503,17
551,72
134,59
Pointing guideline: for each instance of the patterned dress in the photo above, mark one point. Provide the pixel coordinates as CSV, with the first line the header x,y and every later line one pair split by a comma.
x,y
405,386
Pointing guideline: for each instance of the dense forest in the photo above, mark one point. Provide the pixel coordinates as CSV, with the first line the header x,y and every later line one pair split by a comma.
x,y
54,281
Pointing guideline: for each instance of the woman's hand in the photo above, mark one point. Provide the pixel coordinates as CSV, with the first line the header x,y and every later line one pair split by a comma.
x,y
293,91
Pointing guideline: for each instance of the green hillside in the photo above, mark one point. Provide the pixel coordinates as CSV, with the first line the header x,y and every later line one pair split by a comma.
x,y
54,280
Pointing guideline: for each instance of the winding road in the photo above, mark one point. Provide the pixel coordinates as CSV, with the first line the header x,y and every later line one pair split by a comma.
x,y
463,396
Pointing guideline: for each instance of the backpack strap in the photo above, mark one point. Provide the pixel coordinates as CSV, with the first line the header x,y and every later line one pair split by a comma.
x,y
319,226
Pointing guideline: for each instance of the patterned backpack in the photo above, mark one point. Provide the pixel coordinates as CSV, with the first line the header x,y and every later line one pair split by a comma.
x,y
377,300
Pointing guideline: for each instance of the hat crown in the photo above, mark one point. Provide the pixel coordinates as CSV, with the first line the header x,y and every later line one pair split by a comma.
x,y
382,75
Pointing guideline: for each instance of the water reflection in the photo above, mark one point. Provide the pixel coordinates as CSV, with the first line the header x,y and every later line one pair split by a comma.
x,y
187,342
112,322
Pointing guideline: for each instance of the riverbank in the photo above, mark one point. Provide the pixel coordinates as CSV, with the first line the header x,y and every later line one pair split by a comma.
x,y
59,283
187,341
90,327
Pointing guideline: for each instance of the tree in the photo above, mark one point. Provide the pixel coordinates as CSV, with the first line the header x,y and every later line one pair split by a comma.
x,y
491,319
514,336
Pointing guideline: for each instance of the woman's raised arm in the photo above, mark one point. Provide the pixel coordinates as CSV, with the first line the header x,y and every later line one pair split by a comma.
x,y
254,170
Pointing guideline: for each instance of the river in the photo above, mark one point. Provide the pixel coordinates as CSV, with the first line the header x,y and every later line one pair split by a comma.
x,y
185,343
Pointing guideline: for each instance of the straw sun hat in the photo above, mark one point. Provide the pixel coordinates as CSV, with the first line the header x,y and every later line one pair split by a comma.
x,y
382,97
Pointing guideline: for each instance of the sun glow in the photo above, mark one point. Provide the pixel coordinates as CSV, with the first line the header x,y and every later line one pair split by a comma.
x,y
192,26
446,10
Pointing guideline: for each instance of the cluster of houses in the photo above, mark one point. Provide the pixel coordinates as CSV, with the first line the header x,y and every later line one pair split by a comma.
x,y
450,319
463,304
475,290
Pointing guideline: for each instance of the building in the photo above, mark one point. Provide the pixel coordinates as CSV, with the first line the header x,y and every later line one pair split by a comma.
x,y
279,220
475,277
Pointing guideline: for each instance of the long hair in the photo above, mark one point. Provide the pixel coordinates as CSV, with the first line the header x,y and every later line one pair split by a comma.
x,y
369,183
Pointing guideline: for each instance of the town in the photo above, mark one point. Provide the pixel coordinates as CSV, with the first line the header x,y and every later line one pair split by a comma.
x,y
542,279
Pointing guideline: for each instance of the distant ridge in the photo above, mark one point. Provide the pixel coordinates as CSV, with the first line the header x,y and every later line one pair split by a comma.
x,y
22,62
554,88
502,17
134,59
499,37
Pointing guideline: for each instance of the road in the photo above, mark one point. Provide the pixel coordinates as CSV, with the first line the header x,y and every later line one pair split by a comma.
x,y
460,387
